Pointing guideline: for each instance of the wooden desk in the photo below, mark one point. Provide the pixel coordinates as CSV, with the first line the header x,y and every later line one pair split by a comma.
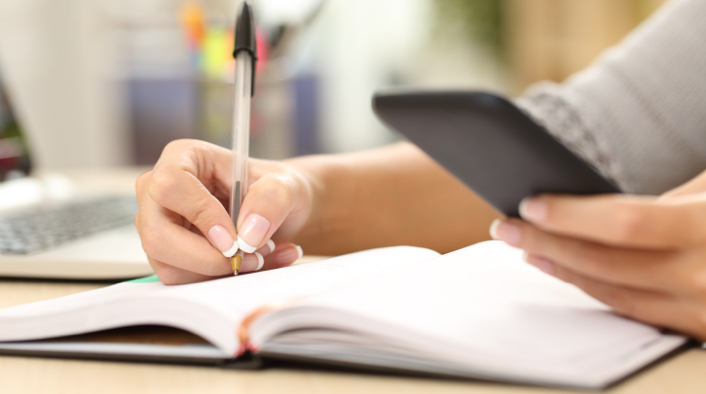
x,y
685,373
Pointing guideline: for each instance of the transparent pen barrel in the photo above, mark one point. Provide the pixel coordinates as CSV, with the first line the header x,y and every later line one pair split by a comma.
x,y
241,131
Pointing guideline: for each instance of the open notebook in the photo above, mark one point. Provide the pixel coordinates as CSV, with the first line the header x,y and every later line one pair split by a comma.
x,y
479,312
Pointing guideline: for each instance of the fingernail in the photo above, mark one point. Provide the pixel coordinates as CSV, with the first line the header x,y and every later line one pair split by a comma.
x,y
221,239
252,232
287,256
533,209
252,262
505,231
541,264
268,248
494,228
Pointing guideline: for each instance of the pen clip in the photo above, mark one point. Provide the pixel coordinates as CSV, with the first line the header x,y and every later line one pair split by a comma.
x,y
246,38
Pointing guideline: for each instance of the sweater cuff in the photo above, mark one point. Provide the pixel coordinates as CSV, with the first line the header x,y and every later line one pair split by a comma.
x,y
565,120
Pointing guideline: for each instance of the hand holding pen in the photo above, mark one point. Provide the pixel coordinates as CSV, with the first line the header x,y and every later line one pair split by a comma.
x,y
182,220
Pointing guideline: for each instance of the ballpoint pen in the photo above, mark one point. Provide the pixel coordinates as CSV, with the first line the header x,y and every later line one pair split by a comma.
x,y
245,54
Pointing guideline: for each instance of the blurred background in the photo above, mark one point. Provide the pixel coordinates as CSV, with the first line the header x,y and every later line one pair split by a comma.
x,y
99,83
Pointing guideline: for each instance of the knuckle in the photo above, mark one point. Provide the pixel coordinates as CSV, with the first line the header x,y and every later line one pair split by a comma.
x,y
178,144
595,260
274,189
688,225
183,145
629,224
140,182
201,213
160,186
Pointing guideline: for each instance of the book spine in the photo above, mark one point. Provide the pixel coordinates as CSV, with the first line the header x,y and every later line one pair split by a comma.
x,y
243,330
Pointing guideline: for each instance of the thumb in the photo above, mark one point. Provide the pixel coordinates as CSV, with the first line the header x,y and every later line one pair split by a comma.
x,y
268,203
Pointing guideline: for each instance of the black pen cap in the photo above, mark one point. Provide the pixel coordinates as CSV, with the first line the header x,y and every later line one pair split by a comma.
x,y
245,37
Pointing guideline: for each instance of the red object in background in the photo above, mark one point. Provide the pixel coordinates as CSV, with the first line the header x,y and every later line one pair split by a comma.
x,y
192,16
263,50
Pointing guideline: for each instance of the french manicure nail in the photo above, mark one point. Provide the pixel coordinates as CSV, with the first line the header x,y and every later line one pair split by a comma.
x,y
494,228
533,209
541,264
252,232
260,261
221,239
267,248
252,262
506,231
301,252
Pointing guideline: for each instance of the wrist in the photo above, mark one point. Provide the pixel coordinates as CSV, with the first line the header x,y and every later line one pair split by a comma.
x,y
329,183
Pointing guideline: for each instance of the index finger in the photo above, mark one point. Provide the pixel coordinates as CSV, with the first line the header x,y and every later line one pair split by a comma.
x,y
621,220
178,183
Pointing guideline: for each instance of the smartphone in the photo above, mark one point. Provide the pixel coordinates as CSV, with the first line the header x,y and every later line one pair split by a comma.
x,y
490,145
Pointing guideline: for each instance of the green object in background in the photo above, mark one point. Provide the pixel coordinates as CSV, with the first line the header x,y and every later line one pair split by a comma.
x,y
146,279
216,53
481,20
484,21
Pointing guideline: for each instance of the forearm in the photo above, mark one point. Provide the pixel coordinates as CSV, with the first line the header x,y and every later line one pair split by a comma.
x,y
637,114
394,195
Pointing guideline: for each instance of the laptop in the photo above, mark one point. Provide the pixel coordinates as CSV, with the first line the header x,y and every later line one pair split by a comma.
x,y
48,232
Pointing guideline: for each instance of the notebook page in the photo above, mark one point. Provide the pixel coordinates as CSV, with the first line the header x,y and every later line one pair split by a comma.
x,y
237,296
211,309
483,307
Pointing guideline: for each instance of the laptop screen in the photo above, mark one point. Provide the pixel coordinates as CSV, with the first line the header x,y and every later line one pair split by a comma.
x,y
14,155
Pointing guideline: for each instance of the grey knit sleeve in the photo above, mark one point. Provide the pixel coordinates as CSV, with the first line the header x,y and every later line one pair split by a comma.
x,y
638,113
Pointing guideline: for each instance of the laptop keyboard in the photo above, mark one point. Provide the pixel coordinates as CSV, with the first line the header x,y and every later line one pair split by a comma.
x,y
48,227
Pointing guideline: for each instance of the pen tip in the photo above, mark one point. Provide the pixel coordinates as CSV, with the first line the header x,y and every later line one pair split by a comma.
x,y
235,262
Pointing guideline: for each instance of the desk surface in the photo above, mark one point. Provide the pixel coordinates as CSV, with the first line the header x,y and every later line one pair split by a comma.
x,y
684,373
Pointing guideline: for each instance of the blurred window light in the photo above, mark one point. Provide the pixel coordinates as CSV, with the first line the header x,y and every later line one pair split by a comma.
x,y
274,12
